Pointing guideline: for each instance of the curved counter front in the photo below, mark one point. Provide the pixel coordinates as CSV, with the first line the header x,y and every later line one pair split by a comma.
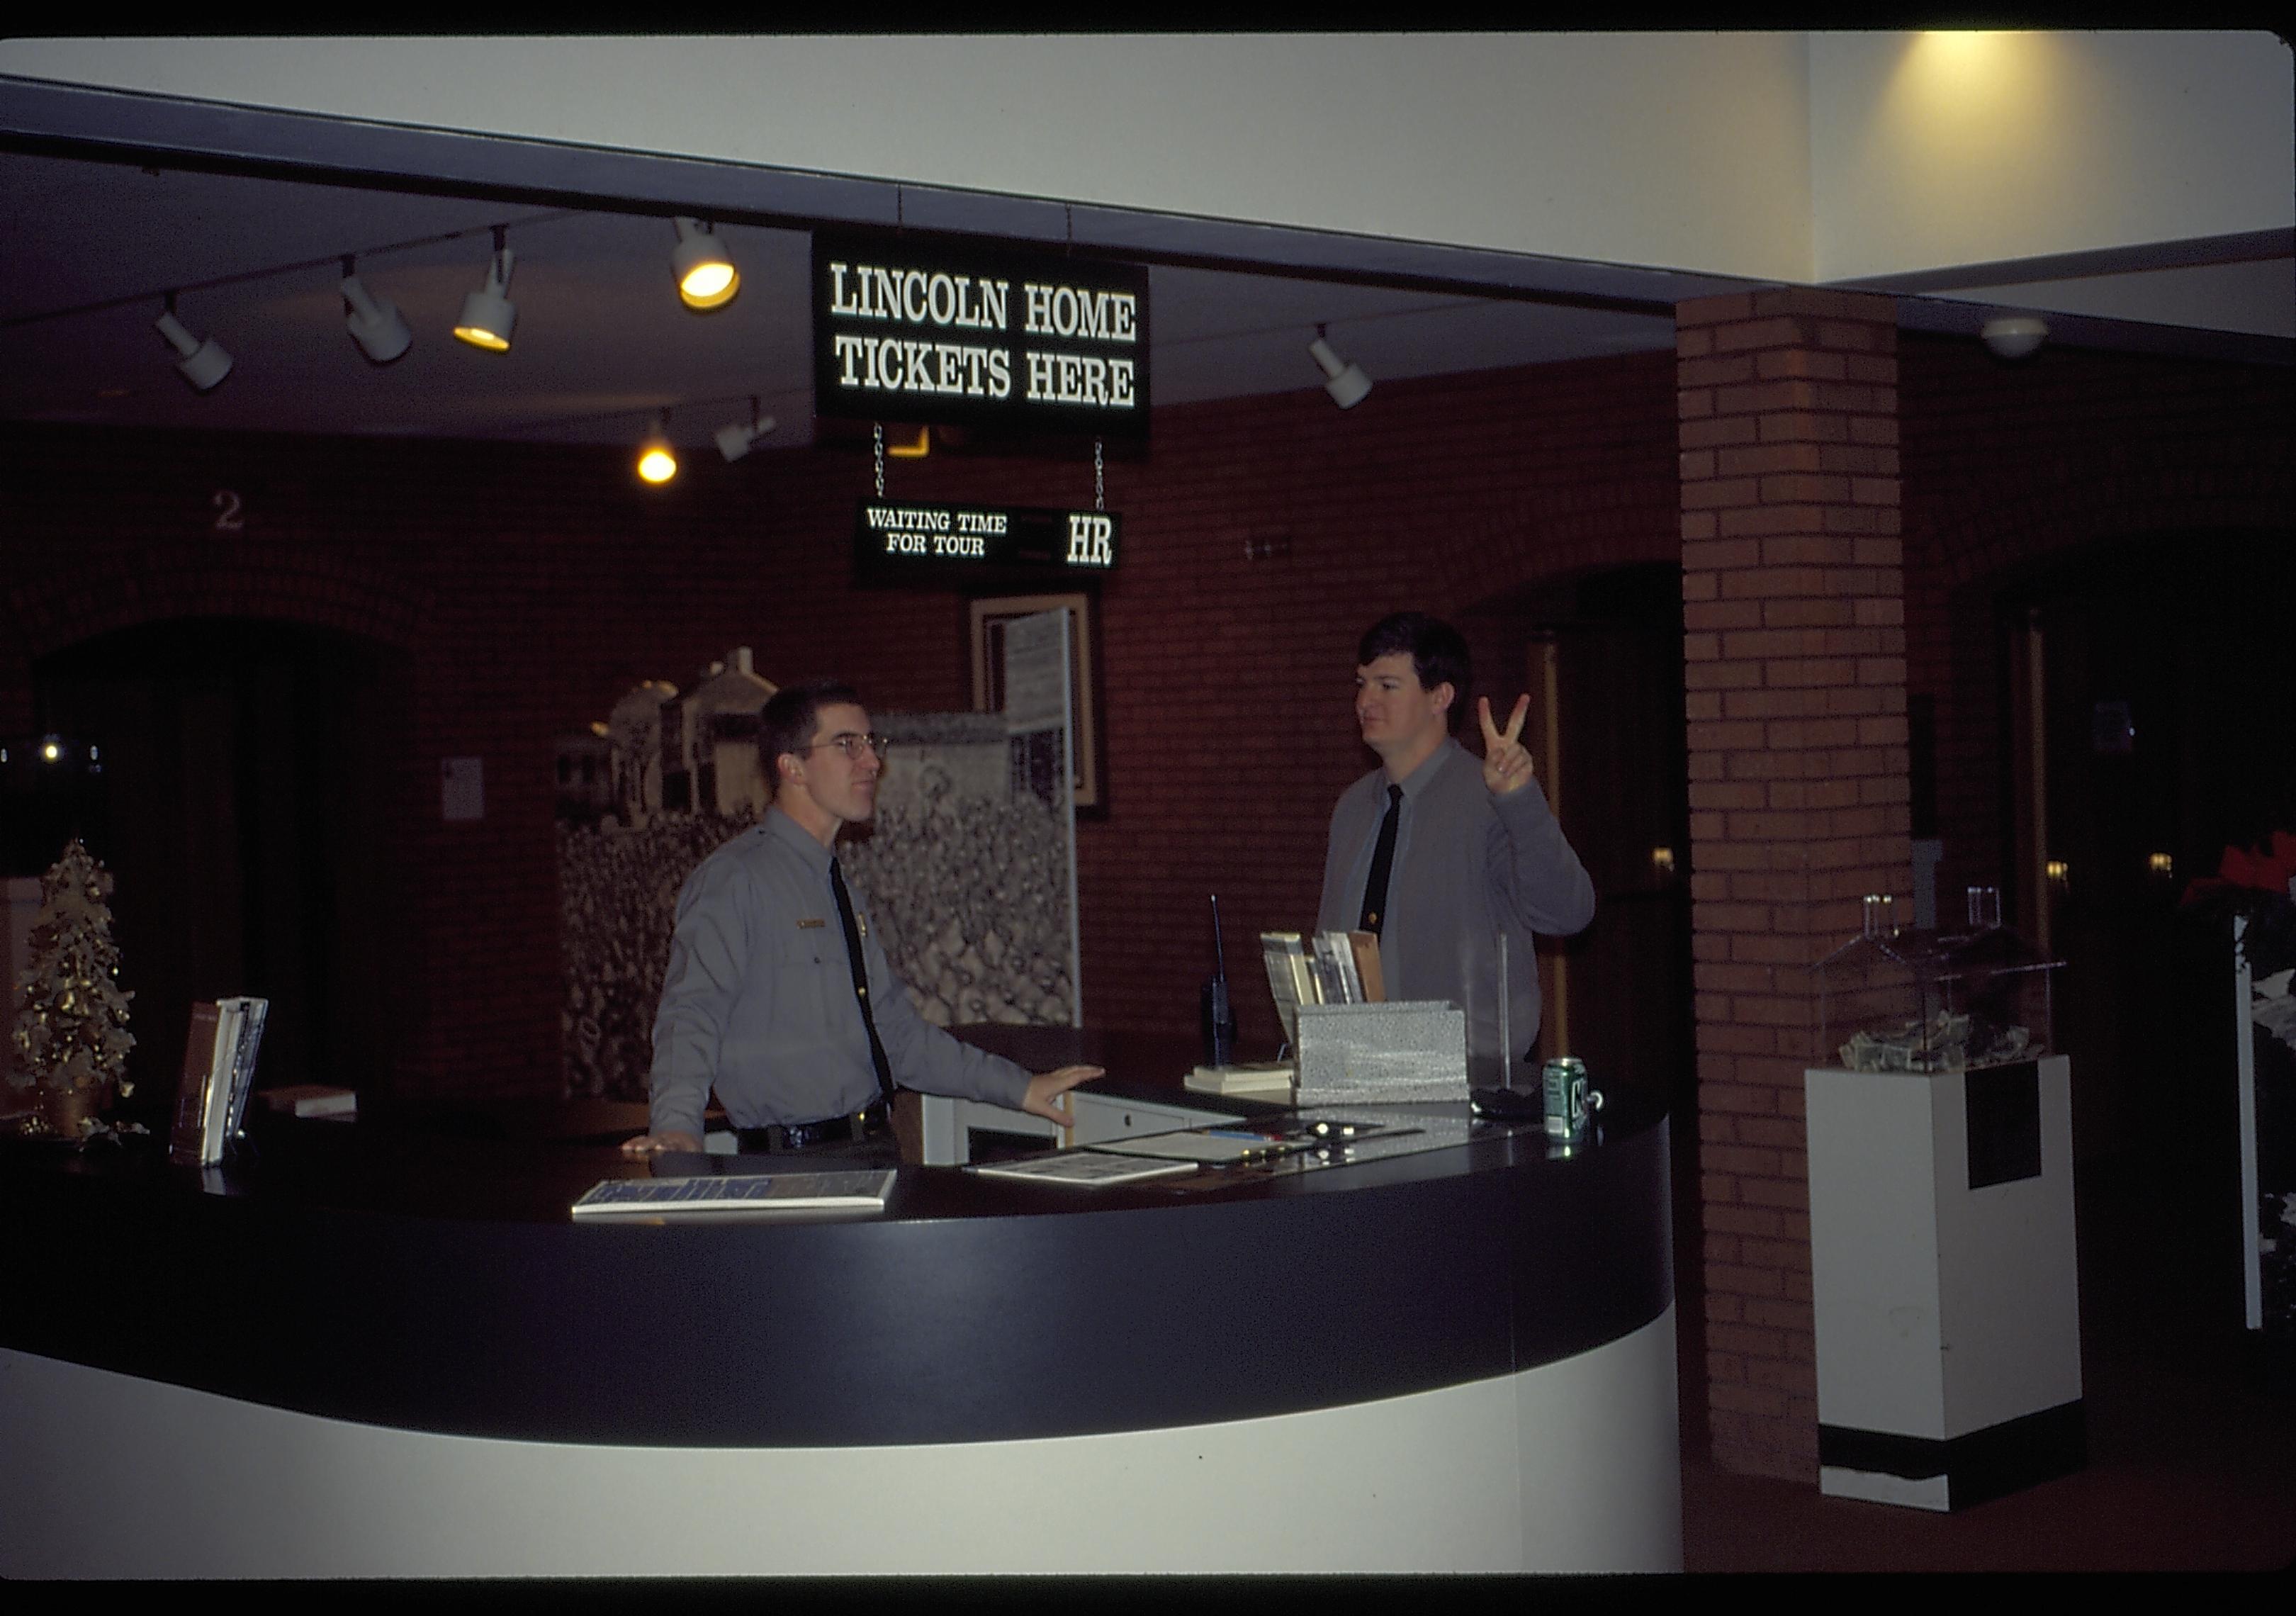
x,y
379,1350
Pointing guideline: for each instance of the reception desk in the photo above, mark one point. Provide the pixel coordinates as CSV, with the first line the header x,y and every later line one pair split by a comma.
x,y
383,1348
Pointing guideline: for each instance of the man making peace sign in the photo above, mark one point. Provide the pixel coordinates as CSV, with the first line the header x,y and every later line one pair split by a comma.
x,y
1438,854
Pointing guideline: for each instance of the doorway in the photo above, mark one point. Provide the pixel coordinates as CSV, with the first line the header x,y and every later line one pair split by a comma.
x,y
242,814
2147,684
1600,657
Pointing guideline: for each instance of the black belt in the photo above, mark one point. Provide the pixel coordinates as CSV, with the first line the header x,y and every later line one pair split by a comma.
x,y
868,1124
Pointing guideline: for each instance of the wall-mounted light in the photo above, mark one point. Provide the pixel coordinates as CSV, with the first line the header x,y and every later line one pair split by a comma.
x,y
1345,381
489,313
657,460
2014,336
916,449
2162,863
375,323
1662,863
706,277
203,363
738,438
2059,872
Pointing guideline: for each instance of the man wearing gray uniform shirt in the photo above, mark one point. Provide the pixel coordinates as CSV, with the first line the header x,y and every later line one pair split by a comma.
x,y
1437,853
762,1001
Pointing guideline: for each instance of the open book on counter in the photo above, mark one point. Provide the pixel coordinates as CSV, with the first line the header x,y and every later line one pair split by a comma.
x,y
862,1191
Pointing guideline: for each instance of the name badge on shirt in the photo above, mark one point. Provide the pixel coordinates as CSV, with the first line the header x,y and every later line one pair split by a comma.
x,y
808,926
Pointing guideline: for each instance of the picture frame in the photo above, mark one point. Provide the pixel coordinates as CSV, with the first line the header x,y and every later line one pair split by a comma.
x,y
987,615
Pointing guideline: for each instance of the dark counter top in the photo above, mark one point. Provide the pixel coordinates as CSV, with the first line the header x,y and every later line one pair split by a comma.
x,y
419,1269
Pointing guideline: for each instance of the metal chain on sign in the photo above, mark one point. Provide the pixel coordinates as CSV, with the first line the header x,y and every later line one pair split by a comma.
x,y
879,431
1099,489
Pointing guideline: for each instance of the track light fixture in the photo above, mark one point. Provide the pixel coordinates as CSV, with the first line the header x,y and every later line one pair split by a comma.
x,y
1346,382
706,277
736,439
2014,336
375,323
657,460
487,313
203,363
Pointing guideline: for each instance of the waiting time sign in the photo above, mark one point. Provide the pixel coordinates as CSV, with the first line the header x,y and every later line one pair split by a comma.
x,y
894,539
909,331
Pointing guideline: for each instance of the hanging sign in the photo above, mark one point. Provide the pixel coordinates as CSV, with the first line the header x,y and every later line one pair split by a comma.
x,y
894,539
909,330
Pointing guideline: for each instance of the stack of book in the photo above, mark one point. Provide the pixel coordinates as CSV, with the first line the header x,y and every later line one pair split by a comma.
x,y
1256,1079
1324,968
218,1069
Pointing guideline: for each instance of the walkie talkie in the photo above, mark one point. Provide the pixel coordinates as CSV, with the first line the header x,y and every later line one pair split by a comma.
x,y
1218,1013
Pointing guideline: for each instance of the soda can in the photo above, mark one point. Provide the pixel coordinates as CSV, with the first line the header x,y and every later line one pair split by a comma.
x,y
1562,1087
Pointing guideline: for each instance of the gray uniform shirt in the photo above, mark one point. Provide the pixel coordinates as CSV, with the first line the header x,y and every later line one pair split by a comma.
x,y
1467,864
759,1003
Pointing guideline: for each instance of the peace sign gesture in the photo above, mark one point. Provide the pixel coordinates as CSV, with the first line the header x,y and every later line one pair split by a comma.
x,y
1506,766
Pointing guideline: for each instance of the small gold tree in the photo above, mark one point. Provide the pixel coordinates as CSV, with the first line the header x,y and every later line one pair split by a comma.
x,y
70,1035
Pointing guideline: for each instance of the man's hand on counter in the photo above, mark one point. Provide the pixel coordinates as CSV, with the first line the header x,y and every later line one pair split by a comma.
x,y
1046,1084
646,1145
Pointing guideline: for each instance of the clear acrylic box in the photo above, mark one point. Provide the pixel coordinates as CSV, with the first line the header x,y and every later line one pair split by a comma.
x,y
1906,1000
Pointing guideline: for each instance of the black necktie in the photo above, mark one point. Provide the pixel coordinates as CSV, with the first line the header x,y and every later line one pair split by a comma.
x,y
1382,860
861,980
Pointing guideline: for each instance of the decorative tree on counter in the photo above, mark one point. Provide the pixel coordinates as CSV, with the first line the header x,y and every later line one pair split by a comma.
x,y
71,1037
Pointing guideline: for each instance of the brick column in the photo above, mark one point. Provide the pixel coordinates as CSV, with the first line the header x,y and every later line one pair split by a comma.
x,y
1793,635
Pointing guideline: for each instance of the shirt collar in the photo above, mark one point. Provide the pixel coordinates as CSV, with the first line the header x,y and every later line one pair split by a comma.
x,y
1430,766
797,837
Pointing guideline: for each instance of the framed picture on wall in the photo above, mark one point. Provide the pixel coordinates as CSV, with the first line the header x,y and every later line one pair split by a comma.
x,y
989,618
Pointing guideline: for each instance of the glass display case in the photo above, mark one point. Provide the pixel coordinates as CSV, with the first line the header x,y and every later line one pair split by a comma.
x,y
1896,999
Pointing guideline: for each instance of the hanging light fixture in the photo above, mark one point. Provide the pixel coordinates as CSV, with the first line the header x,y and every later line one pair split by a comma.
x,y
375,323
706,277
736,439
489,313
657,460
203,363
1345,381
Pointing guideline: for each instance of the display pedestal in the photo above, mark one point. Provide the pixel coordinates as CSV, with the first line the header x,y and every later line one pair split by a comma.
x,y
1946,1302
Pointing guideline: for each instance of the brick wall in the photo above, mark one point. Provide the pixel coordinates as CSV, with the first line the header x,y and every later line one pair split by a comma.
x,y
521,590
1795,686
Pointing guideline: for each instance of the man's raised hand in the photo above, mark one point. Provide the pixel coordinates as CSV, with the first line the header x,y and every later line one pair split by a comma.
x,y
1506,766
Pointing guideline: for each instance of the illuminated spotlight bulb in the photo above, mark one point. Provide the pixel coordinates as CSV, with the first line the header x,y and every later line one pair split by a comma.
x,y
1344,381
202,363
736,439
657,460
489,313
2014,336
706,277
375,323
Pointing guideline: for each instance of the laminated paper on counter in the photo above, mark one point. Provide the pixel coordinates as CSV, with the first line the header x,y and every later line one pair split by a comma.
x,y
1411,1050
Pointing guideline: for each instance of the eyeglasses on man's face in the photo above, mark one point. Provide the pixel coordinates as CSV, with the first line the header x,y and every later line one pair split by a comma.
x,y
853,745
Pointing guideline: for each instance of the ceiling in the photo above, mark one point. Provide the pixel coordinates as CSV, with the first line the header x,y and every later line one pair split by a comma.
x,y
602,345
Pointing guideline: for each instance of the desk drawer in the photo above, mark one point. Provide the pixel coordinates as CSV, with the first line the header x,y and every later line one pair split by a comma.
x,y
1099,1118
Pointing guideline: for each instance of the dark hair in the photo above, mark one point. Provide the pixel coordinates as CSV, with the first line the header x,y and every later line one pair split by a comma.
x,y
1437,654
790,717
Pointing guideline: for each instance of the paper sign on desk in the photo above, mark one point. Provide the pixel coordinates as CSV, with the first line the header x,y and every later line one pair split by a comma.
x,y
1090,1167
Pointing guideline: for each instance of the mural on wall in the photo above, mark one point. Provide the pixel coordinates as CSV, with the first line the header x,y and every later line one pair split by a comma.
x,y
966,870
